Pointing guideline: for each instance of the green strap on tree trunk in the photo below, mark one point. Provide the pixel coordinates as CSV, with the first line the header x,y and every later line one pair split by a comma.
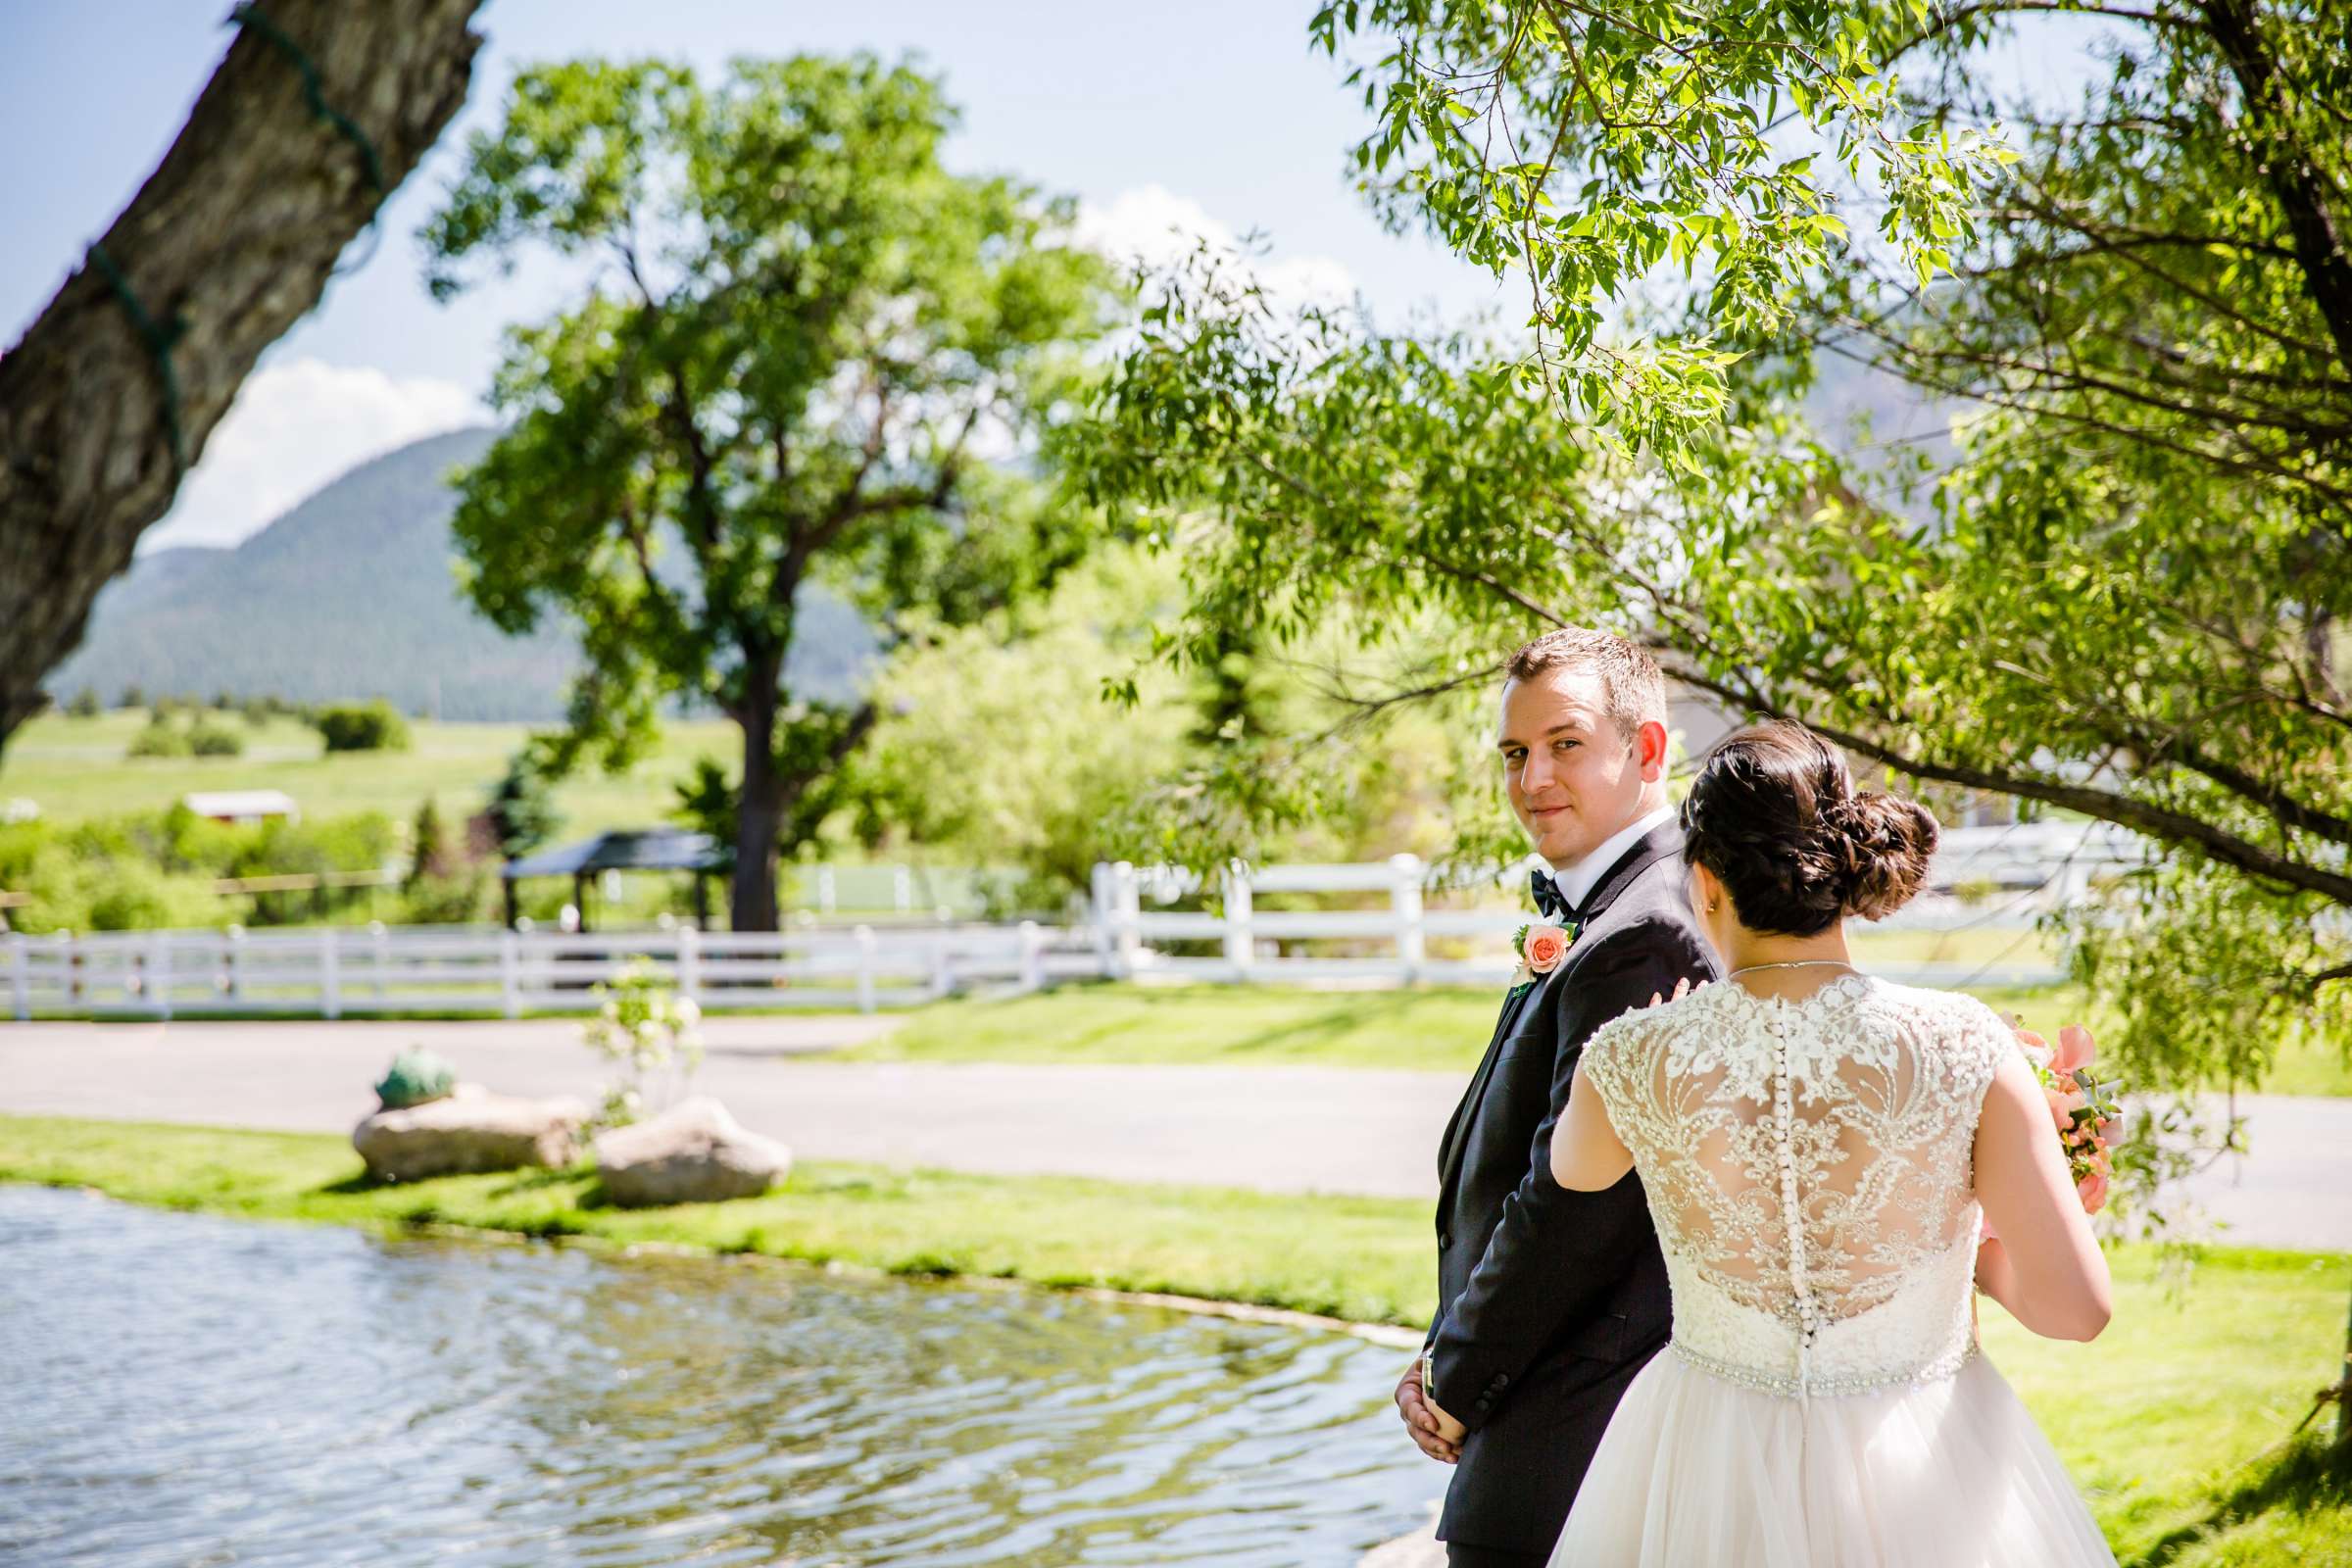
x,y
160,337
247,16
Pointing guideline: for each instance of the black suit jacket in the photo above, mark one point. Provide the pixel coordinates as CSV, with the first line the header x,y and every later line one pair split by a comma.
x,y
1549,1301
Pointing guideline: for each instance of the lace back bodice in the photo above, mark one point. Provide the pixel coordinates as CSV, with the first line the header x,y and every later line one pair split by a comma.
x,y
1807,1164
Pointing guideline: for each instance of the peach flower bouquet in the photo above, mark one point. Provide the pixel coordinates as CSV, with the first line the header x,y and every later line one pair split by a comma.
x,y
2084,1108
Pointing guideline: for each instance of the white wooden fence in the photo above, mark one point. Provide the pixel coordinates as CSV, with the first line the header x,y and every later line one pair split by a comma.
x,y
336,972
1406,942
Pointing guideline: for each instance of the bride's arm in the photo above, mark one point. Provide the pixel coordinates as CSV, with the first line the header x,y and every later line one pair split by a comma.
x,y
1587,1154
2046,1267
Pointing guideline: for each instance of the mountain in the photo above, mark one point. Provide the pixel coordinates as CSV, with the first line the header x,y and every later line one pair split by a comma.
x,y
352,593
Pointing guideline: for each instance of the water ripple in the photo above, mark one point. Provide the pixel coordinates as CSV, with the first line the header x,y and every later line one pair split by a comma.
x,y
186,1389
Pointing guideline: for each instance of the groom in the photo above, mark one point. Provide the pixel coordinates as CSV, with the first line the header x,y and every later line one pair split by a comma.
x,y
1550,1300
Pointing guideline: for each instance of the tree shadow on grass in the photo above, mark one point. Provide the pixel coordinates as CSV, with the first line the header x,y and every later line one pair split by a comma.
x,y
502,1207
2308,1474
526,1179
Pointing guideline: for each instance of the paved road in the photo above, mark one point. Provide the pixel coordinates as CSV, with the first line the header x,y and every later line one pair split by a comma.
x,y
1277,1129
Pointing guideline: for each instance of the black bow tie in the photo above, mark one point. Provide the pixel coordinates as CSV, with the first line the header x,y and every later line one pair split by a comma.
x,y
1548,898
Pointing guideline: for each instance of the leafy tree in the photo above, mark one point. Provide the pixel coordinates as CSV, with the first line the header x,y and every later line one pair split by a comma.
x,y
84,704
705,803
2121,592
995,749
808,335
523,806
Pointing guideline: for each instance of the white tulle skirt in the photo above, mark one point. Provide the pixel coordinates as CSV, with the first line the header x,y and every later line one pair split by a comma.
x,y
1696,1470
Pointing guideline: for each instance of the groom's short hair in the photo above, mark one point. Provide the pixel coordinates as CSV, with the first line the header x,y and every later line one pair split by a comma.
x,y
1631,686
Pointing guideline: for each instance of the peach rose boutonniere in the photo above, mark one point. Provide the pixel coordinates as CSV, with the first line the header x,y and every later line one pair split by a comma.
x,y
1541,948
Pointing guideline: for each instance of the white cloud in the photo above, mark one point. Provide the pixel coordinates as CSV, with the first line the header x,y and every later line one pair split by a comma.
x,y
1154,226
294,427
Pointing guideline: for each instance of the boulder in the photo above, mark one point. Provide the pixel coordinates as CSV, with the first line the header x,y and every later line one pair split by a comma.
x,y
471,1130
693,1153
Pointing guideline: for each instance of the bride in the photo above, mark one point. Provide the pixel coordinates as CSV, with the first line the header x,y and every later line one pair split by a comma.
x,y
1816,1146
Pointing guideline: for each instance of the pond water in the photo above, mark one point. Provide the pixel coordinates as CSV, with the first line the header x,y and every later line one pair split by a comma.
x,y
187,1390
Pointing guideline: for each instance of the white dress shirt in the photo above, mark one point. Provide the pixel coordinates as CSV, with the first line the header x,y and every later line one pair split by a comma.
x,y
1576,878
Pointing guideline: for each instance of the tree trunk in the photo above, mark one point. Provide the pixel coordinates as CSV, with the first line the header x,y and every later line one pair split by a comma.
x,y
759,817
2343,1396
232,239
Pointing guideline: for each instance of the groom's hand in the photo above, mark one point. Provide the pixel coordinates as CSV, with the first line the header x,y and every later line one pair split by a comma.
x,y
1421,1422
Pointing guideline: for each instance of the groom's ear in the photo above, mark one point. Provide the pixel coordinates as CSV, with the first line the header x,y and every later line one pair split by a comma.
x,y
1650,748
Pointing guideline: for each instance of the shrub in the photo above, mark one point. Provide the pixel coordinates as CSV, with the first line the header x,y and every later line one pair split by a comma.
x,y
641,1026
429,852
523,807
207,738
159,738
84,704
358,841
135,896
455,898
117,872
363,727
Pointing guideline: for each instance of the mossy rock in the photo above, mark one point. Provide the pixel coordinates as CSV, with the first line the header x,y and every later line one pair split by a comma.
x,y
415,1077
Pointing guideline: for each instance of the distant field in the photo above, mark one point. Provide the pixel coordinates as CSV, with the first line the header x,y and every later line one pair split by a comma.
x,y
75,768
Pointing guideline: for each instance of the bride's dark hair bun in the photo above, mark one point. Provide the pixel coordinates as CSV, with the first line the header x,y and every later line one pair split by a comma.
x,y
1774,815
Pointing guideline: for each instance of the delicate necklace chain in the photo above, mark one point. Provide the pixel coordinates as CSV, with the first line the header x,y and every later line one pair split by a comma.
x,y
1788,963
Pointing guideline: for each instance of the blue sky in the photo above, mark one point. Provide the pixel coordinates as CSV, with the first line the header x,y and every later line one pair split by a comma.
x,y
1214,115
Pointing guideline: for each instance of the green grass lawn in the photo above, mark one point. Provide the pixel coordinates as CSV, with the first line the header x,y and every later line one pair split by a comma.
x,y
2304,1068
2174,1422
1979,947
1363,1259
1438,1029
75,768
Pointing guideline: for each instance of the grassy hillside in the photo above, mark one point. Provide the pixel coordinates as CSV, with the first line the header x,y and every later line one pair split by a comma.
x,y
75,768
354,593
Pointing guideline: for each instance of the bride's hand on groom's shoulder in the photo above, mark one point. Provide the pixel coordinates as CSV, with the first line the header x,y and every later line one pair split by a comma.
x,y
1682,989
1428,1425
